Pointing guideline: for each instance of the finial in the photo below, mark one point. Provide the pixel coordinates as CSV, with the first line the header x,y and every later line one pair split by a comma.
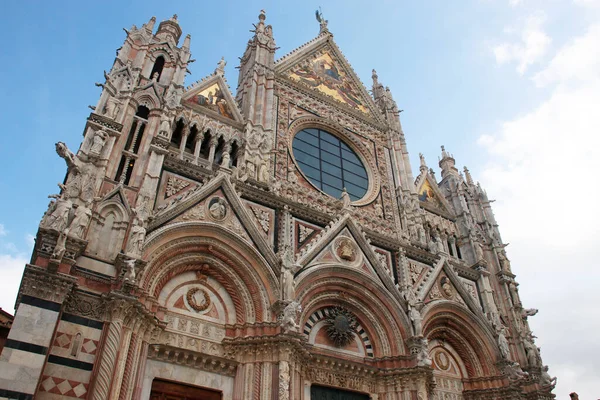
x,y
174,17
468,176
422,158
322,21
150,24
187,40
444,154
374,76
221,67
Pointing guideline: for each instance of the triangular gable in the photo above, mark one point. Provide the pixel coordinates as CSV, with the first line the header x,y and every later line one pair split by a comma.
x,y
445,284
211,96
321,66
208,203
331,236
344,250
431,197
117,194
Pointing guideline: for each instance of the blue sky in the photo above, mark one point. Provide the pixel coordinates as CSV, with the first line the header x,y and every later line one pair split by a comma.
x,y
511,87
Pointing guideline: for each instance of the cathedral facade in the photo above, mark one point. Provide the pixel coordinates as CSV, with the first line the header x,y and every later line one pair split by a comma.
x,y
271,243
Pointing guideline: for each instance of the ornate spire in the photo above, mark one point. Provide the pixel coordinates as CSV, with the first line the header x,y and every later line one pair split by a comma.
x,y
423,168
447,164
150,24
468,176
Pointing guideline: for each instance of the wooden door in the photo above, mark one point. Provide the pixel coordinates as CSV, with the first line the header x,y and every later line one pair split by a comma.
x,y
166,390
328,393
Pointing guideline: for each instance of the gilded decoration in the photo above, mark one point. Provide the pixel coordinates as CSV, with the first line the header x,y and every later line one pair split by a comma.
x,y
213,99
346,251
427,195
325,74
198,299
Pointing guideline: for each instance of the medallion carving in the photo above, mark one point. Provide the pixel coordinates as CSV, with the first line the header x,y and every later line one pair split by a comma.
x,y
198,299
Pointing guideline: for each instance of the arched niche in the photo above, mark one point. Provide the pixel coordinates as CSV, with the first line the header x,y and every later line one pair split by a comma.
x,y
109,225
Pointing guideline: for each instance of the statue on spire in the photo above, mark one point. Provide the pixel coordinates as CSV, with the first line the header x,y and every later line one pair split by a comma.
x,y
322,21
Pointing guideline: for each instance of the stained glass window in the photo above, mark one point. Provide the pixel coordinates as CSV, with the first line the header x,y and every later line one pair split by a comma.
x,y
330,164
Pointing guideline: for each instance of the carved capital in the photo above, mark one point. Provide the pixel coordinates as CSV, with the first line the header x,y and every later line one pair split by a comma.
x,y
85,305
159,145
38,282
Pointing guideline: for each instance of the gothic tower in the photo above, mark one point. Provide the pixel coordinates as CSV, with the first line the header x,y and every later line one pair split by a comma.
x,y
272,244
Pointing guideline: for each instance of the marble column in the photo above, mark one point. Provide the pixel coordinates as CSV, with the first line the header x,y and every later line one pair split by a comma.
x,y
198,146
213,147
184,137
117,309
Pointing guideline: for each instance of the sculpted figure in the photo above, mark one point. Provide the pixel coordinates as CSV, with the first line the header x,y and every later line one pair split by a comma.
x,y
533,353
80,222
263,172
98,142
221,66
545,379
82,175
346,201
165,127
290,313
503,343
288,269
61,246
514,372
112,108
415,317
225,159
137,236
504,263
423,359
57,216
478,247
129,275
432,246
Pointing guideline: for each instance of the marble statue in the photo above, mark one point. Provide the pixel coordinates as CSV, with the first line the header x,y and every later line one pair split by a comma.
x,y
290,313
80,222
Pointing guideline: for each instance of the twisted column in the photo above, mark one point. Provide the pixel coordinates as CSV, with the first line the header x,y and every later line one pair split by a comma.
x,y
107,363
117,309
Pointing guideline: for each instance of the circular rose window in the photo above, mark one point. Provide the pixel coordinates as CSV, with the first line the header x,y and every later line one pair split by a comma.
x,y
329,164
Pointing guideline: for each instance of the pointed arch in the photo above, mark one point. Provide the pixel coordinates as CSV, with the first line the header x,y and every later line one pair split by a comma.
x,y
374,307
466,332
213,250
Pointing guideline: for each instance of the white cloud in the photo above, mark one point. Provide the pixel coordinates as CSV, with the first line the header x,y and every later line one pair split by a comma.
x,y
539,171
514,3
30,239
12,270
3,231
578,62
532,45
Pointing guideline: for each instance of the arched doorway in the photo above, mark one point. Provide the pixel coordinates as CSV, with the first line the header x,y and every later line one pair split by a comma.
x,y
166,390
448,372
328,393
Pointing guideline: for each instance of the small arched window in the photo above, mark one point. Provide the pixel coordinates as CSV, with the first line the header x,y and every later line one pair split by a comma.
x,y
177,133
158,67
